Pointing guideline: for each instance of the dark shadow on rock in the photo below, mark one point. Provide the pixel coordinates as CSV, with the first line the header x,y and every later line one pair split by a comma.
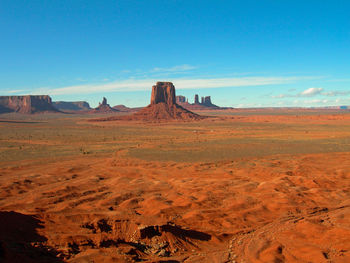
x,y
151,231
17,233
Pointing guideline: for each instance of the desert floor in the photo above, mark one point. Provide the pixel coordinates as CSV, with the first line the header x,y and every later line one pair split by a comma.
x,y
246,186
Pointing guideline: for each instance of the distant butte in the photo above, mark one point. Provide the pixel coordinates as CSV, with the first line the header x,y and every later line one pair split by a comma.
x,y
104,107
28,104
163,107
71,105
204,104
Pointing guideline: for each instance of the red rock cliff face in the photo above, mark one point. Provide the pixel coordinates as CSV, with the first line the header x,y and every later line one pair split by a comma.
x,y
27,104
163,92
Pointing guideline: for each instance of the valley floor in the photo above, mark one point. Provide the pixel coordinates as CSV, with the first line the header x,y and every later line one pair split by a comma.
x,y
243,187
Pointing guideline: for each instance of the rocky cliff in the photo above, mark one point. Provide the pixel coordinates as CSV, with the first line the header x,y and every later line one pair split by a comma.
x,y
27,104
163,92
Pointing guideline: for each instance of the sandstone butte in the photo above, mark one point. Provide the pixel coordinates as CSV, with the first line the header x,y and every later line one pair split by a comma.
x,y
163,107
103,107
71,105
26,104
205,103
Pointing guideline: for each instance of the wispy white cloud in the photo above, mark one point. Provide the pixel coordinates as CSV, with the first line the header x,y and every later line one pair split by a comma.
x,y
311,92
178,68
314,101
281,96
7,92
336,93
146,84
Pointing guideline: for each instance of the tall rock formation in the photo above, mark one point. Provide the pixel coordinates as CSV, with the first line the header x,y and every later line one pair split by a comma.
x,y
104,101
196,99
27,104
104,107
163,92
163,107
207,101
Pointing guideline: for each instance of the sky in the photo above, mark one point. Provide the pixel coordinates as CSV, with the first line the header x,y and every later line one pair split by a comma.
x,y
262,53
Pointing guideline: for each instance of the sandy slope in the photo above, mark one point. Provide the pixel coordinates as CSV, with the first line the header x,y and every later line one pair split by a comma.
x,y
275,209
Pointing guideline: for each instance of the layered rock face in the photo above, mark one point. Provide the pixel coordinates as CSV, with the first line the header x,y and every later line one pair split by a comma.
x,y
163,92
26,104
71,105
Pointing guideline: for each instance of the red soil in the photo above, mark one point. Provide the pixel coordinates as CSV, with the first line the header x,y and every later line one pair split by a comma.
x,y
271,209
157,113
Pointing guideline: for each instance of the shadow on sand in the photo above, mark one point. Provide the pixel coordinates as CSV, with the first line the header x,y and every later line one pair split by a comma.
x,y
17,233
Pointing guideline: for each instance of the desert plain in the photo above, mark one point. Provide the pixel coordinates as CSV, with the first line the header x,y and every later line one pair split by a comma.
x,y
241,186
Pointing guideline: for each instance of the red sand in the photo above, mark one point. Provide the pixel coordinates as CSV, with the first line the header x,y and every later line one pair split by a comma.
x,y
261,210
279,208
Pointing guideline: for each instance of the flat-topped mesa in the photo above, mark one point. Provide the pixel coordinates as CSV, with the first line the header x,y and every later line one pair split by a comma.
x,y
163,92
26,104
71,105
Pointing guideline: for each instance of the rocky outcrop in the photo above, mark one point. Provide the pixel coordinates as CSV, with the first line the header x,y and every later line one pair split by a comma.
x,y
196,99
205,103
163,107
163,92
104,101
28,104
71,105
104,107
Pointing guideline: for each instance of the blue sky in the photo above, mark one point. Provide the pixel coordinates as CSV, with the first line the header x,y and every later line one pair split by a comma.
x,y
242,53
